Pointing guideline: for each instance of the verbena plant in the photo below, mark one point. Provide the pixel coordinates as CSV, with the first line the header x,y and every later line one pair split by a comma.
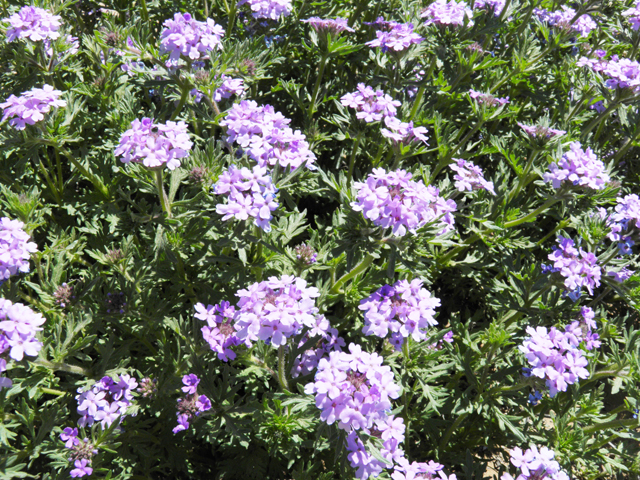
x,y
319,240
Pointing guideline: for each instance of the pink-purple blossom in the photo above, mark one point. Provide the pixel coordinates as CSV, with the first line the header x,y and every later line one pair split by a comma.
x,y
33,23
106,401
268,9
329,25
30,107
633,14
535,464
220,331
400,311
540,132
184,36
370,105
443,12
15,248
155,144
496,6
562,19
579,267
192,405
487,99
403,133
392,199
469,176
580,167
395,37
230,86
82,468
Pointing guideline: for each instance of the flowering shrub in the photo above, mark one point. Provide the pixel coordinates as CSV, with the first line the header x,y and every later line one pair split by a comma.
x,y
289,240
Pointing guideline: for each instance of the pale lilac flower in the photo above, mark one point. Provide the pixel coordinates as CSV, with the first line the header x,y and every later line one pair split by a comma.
x,y
30,107
488,99
621,275
330,26
191,405
443,12
540,132
220,332
188,38
469,176
562,18
580,268
105,401
634,15
623,74
155,144
393,200
370,105
535,464
268,9
15,248
33,23
495,6
581,167
82,468
70,437
230,86
396,37
403,133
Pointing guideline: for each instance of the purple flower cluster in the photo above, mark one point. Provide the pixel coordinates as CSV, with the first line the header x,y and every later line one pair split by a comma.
x,y
623,73
404,309
420,470
393,200
155,144
18,327
230,86
269,9
105,401
535,464
370,105
540,132
328,341
305,254
470,177
82,451
30,107
581,167
562,19
33,23
184,36
554,356
15,248
329,26
396,37
250,193
634,15
491,5
403,133
265,135
220,332
192,405
579,268
443,12
488,99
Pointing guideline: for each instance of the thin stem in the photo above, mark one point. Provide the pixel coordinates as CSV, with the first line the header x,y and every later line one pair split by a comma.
x,y
361,267
64,367
623,422
282,376
164,200
352,158
52,391
599,118
316,88
97,183
52,186
532,215
183,100
452,428
525,174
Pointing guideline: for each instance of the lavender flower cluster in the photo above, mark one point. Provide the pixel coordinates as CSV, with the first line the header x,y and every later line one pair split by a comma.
x,y
623,73
487,99
370,105
329,26
555,356
18,327
404,309
469,176
220,331
394,200
578,267
82,451
268,9
187,37
540,132
250,193
328,341
535,464
192,405
154,144
634,15
265,135
396,37
443,12
562,19
33,23
491,5
15,248
402,133
105,401
581,167
30,107
230,86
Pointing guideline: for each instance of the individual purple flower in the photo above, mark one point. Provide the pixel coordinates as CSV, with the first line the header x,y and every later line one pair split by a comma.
x,y
155,144
250,193
581,167
495,6
469,176
33,23
580,268
488,99
443,12
82,468
562,19
333,27
70,437
230,86
391,199
403,133
403,310
535,464
621,275
220,332
188,38
370,105
266,136
268,9
540,132
15,248
29,108
106,401
329,341
395,37
191,405
634,15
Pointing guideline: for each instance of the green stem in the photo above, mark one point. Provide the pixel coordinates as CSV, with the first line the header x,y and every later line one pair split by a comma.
x,y
623,422
316,88
97,183
164,200
145,12
183,100
452,428
532,215
59,168
352,158
64,367
525,174
282,376
599,118
52,186
361,267
469,241
52,391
